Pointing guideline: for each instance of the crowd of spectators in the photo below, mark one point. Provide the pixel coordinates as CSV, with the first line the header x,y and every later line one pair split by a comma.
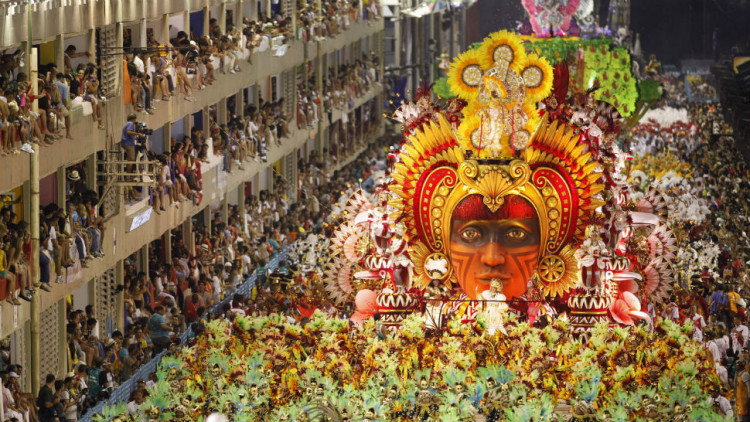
x,y
178,66
713,289
59,90
341,87
184,288
69,237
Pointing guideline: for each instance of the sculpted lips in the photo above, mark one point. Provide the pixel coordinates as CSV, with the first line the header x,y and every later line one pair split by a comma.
x,y
487,277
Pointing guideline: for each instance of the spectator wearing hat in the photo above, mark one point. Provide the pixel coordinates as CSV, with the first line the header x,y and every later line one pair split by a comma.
x,y
12,410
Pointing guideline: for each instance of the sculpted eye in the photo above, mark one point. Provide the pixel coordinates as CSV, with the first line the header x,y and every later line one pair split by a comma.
x,y
470,234
517,235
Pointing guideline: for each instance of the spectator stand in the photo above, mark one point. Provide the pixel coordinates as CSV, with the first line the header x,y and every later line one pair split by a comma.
x,y
699,89
123,392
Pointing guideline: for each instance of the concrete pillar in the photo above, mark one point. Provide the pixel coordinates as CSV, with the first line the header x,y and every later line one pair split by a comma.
x,y
34,76
241,205
294,18
35,308
61,187
238,14
164,36
141,42
206,19
271,178
222,18
144,258
269,13
221,111
119,77
225,209
168,136
92,46
91,170
188,236
207,217
239,103
167,242
186,22
60,52
62,321
256,183
206,122
119,322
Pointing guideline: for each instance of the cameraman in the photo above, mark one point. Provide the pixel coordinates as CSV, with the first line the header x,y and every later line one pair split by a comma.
x,y
128,142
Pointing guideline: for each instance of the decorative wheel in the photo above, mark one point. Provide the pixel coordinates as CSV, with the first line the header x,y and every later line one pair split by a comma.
x,y
551,269
472,75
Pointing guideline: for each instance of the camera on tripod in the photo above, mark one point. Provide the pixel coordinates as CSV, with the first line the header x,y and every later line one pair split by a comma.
x,y
142,130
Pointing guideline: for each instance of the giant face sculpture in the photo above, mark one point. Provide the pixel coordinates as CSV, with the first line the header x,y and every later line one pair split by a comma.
x,y
510,218
508,194
487,245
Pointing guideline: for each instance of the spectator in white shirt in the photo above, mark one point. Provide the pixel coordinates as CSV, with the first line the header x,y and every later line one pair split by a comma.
x,y
739,335
9,403
237,306
135,403
723,403
699,323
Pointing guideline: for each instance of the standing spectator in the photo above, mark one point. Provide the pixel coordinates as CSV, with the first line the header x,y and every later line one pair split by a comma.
x,y
191,309
64,102
69,398
47,400
127,141
70,53
157,325
739,335
742,408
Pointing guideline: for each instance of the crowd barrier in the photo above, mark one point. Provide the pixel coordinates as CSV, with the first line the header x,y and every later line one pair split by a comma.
x,y
123,391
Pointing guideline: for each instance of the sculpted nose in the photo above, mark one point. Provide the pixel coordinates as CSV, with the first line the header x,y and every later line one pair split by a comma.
x,y
492,255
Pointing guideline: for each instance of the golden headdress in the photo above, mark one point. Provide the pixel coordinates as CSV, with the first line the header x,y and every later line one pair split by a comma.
x,y
521,154
503,84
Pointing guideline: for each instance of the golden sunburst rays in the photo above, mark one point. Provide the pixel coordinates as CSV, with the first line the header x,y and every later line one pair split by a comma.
x,y
430,148
558,273
465,75
556,145
501,48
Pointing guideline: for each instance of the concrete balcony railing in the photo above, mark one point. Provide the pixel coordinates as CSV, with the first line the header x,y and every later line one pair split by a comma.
x,y
89,139
49,18
119,242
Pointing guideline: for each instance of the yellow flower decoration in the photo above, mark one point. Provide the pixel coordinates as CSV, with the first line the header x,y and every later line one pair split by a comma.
x,y
471,110
469,132
465,75
537,76
558,273
502,46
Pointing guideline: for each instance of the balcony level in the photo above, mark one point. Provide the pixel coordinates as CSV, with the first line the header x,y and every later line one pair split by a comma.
x,y
88,139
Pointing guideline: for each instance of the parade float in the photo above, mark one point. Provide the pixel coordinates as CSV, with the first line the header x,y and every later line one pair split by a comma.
x,y
500,271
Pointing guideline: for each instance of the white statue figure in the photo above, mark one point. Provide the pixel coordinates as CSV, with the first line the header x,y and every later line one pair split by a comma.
x,y
495,307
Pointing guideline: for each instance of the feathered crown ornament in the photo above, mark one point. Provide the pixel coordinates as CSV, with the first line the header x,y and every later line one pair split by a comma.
x,y
504,161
